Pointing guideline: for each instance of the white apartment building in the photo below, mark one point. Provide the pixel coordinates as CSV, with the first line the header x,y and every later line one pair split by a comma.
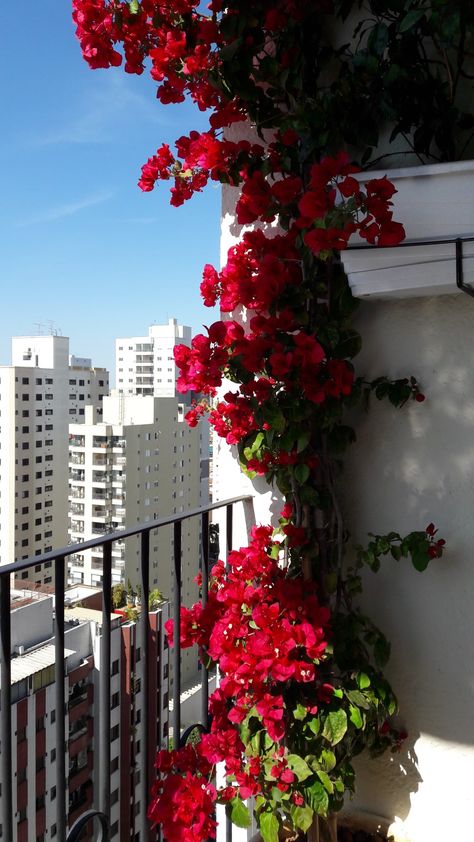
x,y
139,463
33,712
35,407
144,365
86,385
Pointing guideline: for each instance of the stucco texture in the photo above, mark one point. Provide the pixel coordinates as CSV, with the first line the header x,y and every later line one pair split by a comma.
x,y
407,468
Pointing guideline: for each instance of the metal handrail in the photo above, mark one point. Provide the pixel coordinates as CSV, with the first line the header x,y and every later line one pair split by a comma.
x,y
59,558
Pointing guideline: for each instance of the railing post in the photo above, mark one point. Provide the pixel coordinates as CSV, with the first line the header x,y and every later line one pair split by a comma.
x,y
229,518
176,719
60,725
205,591
6,709
104,684
144,635
229,538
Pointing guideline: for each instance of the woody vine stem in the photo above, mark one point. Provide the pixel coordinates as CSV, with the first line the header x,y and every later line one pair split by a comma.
x,y
302,690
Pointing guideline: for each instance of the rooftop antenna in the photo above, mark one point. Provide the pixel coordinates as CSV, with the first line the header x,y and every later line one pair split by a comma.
x,y
53,330
40,328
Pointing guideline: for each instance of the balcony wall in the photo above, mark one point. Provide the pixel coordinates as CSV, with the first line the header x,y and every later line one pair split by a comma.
x,y
409,468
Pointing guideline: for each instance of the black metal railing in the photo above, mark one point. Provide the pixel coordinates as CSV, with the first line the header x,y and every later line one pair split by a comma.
x,y
59,559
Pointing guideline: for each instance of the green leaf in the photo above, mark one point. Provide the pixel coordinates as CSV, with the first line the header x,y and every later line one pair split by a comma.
x,y
358,698
378,38
302,473
363,681
228,52
326,781
317,798
302,817
335,726
299,712
411,19
356,716
328,759
302,442
381,650
299,766
274,416
239,813
420,558
134,7
396,552
269,826
314,725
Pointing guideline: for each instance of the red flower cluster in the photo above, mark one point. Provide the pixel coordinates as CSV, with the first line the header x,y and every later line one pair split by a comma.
x,y
277,358
261,628
435,549
335,206
180,60
183,799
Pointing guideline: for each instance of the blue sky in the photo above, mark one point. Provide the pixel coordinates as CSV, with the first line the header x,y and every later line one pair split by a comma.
x,y
80,245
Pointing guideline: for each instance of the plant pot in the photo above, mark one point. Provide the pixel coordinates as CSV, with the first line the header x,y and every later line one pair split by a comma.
x,y
434,202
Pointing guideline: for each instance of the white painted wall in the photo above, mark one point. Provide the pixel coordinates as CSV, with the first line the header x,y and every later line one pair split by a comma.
x,y
407,468
410,467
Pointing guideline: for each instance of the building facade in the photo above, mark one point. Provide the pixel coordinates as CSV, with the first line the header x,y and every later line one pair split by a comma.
x,y
144,365
86,385
36,403
34,714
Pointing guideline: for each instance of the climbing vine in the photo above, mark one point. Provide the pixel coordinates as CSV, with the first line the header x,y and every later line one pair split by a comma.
x,y
302,689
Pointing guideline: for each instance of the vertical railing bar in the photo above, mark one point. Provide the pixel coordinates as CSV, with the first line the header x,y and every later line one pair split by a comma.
x,y
144,644
229,526
60,702
6,709
176,720
229,539
205,592
104,683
